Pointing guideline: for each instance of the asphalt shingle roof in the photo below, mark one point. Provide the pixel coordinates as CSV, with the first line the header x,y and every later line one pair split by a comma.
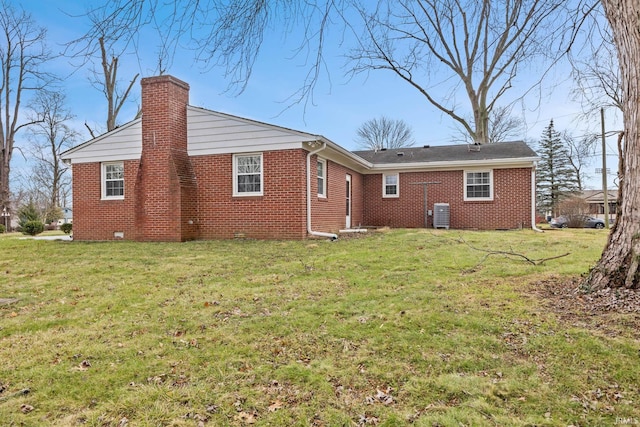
x,y
453,153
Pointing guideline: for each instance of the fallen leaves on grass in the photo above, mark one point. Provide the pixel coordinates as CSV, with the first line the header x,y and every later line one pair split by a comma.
x,y
278,404
364,420
383,397
605,310
83,366
246,417
25,409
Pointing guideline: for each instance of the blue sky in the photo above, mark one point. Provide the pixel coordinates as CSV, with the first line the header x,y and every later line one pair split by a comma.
x,y
340,103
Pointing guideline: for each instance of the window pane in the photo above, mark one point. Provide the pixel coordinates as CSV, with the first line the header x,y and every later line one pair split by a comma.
x,y
248,183
115,188
114,172
248,164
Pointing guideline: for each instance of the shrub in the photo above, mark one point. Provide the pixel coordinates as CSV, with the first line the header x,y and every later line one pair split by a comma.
x,y
2,228
33,227
66,228
575,210
27,213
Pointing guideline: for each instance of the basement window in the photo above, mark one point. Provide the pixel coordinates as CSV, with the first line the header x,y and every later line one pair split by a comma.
x,y
478,185
113,180
247,174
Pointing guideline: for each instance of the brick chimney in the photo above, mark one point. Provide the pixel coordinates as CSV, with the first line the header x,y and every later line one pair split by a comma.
x,y
166,188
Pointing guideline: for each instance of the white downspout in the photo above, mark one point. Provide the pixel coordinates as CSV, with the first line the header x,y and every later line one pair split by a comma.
x,y
332,236
533,200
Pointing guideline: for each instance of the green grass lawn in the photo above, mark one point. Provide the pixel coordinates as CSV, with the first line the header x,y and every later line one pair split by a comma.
x,y
402,327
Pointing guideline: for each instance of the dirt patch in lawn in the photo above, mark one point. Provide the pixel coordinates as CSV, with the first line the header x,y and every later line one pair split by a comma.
x,y
611,311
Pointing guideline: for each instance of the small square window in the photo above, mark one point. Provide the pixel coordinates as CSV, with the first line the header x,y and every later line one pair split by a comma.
x,y
390,185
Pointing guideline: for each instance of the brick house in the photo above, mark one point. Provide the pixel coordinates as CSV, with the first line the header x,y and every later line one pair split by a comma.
x,y
181,172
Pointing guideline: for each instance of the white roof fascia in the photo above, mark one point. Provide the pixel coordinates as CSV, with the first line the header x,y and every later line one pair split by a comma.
x,y
342,156
454,165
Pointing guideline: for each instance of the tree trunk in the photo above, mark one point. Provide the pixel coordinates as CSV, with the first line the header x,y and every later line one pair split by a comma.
x,y
4,188
619,265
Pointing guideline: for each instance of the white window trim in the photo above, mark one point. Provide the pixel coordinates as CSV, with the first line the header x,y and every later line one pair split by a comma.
x,y
464,189
323,193
103,181
384,185
236,193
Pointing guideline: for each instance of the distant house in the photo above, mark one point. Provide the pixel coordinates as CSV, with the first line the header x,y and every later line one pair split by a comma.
x,y
181,172
67,216
595,199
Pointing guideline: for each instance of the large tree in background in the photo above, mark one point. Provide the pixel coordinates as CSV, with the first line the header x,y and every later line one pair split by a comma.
x,y
100,46
478,44
580,152
48,181
595,69
444,49
503,127
556,179
383,132
22,54
107,82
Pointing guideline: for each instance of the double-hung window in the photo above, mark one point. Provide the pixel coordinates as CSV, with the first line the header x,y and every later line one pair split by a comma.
x,y
391,185
247,174
478,185
322,178
113,180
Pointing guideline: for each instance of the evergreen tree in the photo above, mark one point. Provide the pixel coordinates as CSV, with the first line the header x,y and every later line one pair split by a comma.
x,y
556,179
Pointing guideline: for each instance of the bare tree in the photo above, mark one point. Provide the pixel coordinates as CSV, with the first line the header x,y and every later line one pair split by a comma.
x,y
22,53
108,83
503,127
480,45
383,132
597,74
49,137
100,46
580,152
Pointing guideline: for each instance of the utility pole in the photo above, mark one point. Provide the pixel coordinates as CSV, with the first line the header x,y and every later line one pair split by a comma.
x,y
604,173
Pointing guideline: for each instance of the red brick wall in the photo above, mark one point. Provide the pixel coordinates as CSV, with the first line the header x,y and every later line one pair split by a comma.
x,y
96,219
510,208
329,213
165,187
280,213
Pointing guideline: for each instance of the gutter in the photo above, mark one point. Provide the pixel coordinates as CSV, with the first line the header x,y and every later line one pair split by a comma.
x,y
332,236
533,200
